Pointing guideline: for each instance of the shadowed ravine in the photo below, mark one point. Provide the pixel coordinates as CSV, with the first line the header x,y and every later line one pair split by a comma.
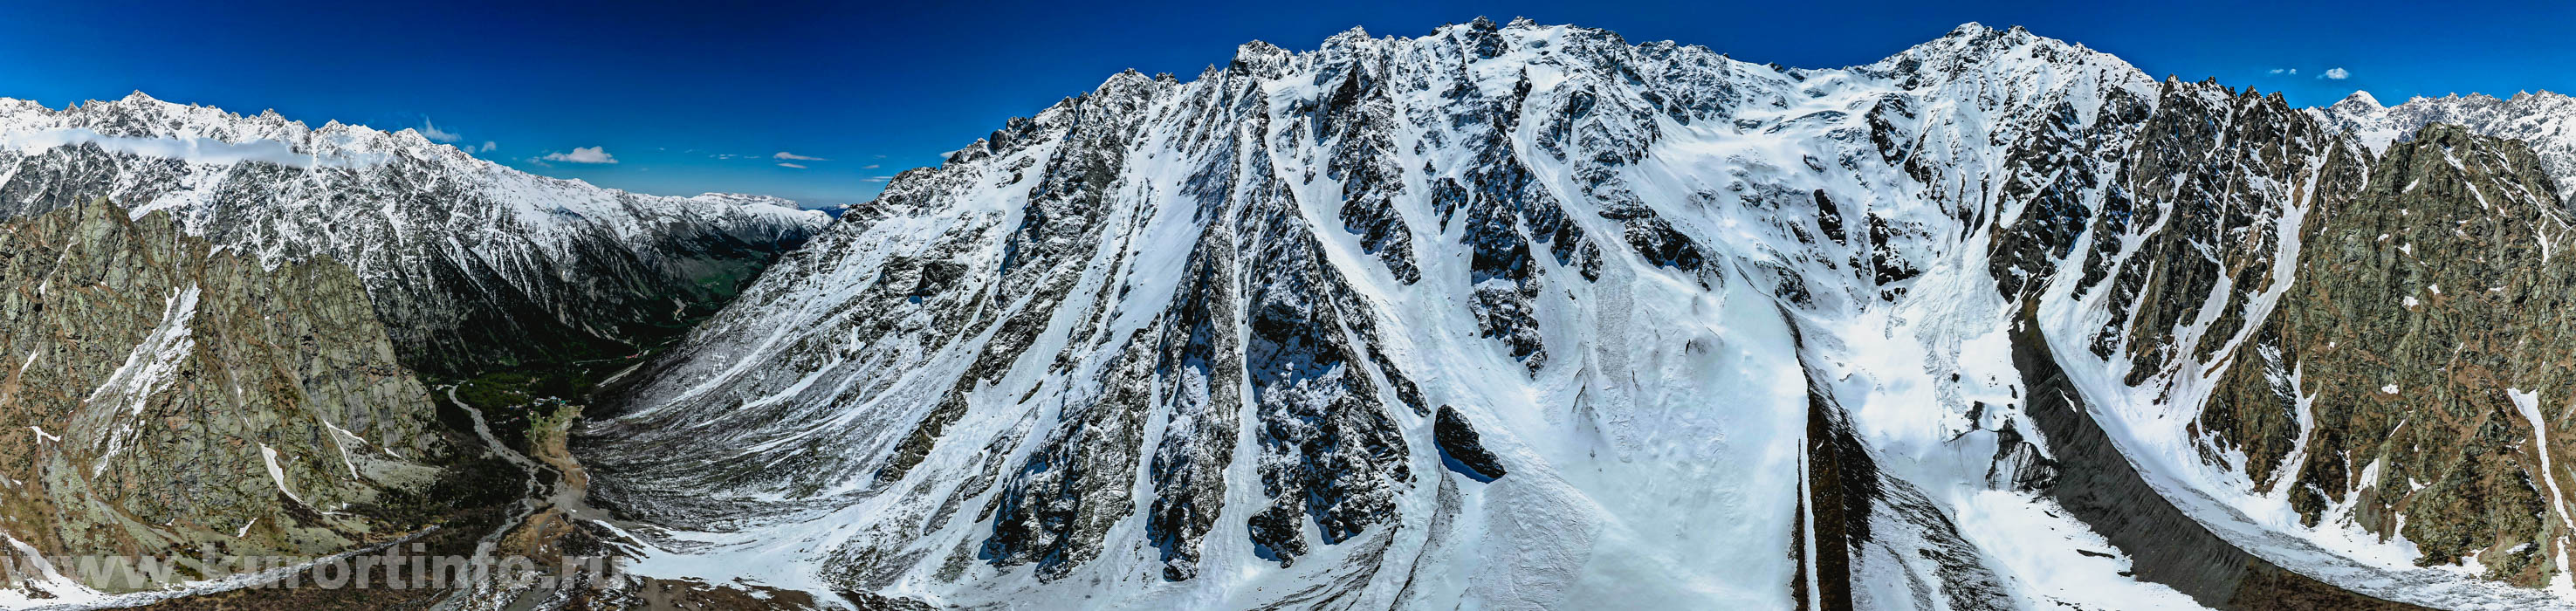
x,y
2101,488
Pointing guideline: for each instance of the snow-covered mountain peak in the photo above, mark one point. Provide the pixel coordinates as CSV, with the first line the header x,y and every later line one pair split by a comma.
x,y
2359,101
1129,82
1207,334
1976,31
1355,36
1258,53
1970,29
1495,316
1974,44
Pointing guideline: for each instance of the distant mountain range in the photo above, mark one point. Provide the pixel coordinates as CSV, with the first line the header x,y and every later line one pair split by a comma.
x,y
470,263
2544,121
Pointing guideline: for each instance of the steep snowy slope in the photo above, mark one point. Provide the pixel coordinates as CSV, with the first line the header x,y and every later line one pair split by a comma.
x,y
469,263
1528,316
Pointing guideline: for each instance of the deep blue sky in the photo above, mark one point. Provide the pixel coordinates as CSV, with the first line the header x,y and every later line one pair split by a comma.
x,y
665,89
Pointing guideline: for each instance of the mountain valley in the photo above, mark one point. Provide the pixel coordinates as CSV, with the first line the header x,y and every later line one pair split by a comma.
x,y
1507,315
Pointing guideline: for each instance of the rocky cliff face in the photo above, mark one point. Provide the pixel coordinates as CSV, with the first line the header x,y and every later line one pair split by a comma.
x,y
2408,384
170,396
470,264
1529,316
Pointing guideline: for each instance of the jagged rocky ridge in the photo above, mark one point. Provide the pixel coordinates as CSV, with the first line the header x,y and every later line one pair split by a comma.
x,y
471,265
176,399
1730,335
2546,121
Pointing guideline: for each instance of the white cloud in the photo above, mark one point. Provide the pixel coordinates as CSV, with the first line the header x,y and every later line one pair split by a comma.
x,y
2285,70
870,167
791,165
591,154
2336,74
876,179
795,157
430,129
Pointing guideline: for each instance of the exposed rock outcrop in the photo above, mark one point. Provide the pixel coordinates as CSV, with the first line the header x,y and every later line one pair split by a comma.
x,y
172,397
1462,448
2411,382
